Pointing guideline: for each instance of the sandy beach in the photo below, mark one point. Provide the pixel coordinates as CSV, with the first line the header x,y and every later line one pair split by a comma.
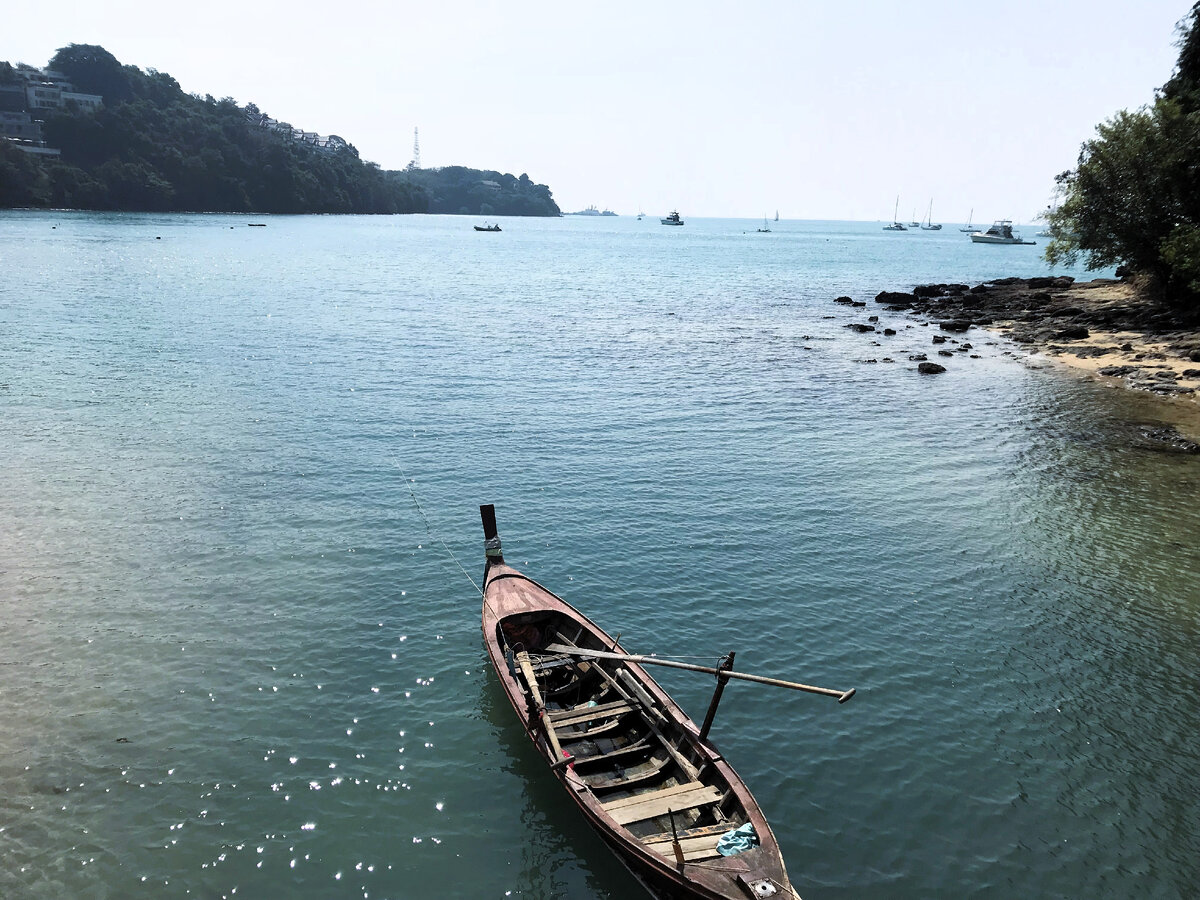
x,y
1165,361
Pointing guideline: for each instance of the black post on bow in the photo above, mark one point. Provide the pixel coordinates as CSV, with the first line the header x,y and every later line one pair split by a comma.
x,y
722,679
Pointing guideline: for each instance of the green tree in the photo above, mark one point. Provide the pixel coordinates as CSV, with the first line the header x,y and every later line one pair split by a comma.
x,y
93,69
1185,83
1134,197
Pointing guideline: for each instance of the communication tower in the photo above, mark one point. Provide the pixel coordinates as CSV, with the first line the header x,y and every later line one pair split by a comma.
x,y
416,158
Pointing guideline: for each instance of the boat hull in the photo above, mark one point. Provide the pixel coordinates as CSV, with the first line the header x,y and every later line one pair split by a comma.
x,y
993,239
518,612
1001,232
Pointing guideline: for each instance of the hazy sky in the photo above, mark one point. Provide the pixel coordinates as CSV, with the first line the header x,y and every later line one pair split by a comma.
x,y
820,109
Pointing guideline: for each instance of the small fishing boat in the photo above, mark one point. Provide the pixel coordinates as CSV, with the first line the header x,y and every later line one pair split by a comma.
x,y
1001,232
672,219
487,227
646,778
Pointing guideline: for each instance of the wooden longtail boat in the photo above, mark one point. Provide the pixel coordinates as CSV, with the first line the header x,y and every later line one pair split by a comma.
x,y
645,777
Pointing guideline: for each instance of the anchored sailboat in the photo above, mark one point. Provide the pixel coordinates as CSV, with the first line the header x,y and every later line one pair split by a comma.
x,y
895,226
929,226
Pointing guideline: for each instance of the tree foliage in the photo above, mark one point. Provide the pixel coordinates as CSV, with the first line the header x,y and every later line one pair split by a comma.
x,y
153,147
1134,197
460,190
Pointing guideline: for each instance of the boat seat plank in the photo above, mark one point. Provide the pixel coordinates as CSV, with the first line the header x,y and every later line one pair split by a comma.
x,y
604,728
551,662
703,831
694,848
643,746
647,771
651,795
581,714
656,803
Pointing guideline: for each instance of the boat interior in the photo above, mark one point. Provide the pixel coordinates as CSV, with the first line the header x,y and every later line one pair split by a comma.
x,y
640,764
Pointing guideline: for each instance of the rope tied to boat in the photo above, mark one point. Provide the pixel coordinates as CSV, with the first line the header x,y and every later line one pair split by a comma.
x,y
408,482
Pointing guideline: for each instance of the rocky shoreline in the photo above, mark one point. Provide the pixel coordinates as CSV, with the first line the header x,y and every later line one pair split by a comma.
x,y
1101,327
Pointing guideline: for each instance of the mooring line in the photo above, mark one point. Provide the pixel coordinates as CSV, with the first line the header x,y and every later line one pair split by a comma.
x,y
429,528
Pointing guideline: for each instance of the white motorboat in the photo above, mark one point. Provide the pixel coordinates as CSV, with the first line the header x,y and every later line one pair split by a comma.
x,y
1001,232
672,219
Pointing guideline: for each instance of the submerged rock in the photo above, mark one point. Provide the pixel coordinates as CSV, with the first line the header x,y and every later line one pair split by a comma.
x,y
1166,438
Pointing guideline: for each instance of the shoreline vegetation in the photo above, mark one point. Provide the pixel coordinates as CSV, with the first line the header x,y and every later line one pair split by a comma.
x,y
1106,329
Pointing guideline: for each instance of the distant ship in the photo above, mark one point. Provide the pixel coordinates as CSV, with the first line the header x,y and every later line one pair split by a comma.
x,y
592,211
672,219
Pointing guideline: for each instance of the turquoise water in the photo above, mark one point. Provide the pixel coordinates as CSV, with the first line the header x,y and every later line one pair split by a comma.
x,y
238,659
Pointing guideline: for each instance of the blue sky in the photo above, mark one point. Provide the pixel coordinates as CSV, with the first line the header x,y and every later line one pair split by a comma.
x,y
817,109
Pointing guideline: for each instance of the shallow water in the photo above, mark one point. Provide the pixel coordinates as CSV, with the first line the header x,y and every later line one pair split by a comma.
x,y
238,532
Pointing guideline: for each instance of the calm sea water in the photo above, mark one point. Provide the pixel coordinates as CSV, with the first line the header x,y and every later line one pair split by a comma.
x,y
240,651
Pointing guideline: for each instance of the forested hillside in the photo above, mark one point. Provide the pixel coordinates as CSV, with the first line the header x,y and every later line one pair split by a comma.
x,y
153,147
456,189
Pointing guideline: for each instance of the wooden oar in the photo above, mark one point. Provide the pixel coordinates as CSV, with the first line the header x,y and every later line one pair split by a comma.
x,y
561,758
842,696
